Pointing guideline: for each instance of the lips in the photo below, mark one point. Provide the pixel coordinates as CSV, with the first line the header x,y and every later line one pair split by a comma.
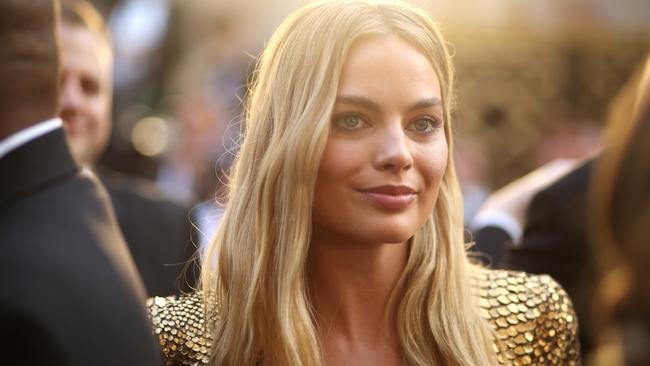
x,y
390,197
72,127
392,190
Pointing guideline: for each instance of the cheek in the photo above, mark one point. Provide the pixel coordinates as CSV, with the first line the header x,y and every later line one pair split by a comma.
x,y
100,111
338,165
328,163
341,159
432,166
327,175
433,163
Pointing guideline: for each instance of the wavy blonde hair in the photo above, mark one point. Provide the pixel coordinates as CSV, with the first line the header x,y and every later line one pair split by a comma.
x,y
261,247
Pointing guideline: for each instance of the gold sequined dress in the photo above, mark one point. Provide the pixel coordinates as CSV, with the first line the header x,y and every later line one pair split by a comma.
x,y
531,315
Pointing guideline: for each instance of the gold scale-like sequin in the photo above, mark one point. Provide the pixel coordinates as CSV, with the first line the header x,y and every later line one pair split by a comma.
x,y
179,324
532,318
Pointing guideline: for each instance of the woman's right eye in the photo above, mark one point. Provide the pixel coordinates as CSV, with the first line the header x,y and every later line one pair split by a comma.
x,y
350,122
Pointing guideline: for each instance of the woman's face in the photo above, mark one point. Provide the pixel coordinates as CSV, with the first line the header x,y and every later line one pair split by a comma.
x,y
386,153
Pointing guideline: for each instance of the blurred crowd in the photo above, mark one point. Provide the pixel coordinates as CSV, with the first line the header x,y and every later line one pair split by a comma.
x,y
538,75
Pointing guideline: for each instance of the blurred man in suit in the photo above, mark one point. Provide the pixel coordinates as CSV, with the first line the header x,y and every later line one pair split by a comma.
x,y
156,230
69,291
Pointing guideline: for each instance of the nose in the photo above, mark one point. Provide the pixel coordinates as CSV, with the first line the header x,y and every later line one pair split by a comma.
x,y
393,152
71,97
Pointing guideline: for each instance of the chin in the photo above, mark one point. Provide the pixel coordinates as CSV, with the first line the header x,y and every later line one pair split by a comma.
x,y
387,235
397,239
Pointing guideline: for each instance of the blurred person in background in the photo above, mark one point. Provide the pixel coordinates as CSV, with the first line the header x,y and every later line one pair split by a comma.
x,y
156,230
472,165
538,223
342,239
205,89
69,291
620,230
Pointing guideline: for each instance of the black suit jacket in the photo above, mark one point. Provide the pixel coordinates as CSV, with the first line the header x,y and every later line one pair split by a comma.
x,y
69,292
157,232
555,241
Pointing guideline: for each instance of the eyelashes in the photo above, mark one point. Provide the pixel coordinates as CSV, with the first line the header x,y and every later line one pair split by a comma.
x,y
425,125
350,122
353,121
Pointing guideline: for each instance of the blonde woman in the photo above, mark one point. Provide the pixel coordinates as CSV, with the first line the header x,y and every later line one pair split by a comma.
x,y
342,240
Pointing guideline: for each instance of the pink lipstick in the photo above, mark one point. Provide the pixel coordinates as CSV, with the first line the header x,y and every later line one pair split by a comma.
x,y
390,197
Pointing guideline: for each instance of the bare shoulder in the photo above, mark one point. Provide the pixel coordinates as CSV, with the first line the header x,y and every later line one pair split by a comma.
x,y
532,316
180,327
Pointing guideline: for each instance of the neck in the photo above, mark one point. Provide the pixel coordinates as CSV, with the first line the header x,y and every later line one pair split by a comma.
x,y
351,288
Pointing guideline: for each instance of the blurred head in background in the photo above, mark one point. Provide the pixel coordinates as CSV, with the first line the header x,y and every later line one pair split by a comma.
x,y
621,199
28,64
86,82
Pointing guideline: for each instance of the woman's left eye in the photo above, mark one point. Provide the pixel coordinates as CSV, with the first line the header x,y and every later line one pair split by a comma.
x,y
424,125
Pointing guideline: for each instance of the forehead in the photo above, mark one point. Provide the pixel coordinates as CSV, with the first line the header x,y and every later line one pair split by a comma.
x,y
83,48
388,66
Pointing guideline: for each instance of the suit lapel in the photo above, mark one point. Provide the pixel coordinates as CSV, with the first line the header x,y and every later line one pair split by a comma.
x,y
34,166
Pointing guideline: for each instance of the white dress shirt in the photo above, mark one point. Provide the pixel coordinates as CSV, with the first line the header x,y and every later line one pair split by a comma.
x,y
28,134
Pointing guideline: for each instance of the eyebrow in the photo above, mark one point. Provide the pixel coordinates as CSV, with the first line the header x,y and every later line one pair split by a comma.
x,y
369,104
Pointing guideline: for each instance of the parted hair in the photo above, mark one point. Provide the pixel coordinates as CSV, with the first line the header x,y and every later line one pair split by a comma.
x,y
257,263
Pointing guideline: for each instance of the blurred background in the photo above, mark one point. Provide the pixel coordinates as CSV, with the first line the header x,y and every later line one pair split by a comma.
x,y
534,80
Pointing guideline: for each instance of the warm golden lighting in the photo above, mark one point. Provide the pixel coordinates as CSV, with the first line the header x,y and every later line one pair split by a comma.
x,y
151,136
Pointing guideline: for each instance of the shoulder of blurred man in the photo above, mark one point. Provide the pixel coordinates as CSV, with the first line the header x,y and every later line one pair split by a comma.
x,y
555,226
69,292
555,242
157,231
555,219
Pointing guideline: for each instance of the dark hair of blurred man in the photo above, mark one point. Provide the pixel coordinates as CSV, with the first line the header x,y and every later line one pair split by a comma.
x,y
156,230
69,292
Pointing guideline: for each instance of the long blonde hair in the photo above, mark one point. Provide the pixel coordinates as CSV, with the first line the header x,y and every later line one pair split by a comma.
x,y
261,247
